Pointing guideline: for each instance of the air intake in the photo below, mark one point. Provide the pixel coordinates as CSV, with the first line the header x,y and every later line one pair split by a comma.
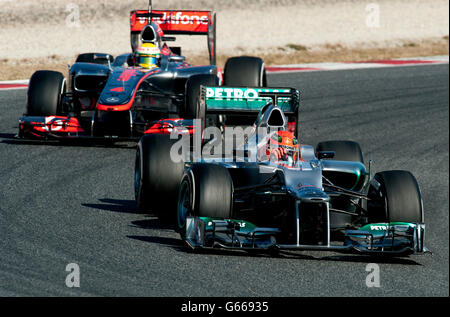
x,y
148,34
276,119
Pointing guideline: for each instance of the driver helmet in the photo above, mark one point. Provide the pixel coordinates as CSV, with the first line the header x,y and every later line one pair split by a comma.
x,y
283,146
148,56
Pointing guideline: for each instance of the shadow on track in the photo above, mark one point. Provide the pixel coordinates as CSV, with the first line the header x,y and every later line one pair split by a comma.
x,y
302,255
7,136
171,242
152,223
129,207
11,138
115,205
358,258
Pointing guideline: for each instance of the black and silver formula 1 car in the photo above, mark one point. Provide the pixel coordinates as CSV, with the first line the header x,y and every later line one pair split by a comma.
x,y
238,199
109,97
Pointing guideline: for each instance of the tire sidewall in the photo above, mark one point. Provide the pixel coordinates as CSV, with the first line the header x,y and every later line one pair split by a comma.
x,y
44,96
207,203
187,182
159,177
245,71
392,185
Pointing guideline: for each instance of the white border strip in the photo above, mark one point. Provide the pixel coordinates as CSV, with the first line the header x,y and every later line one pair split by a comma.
x,y
314,67
18,82
14,82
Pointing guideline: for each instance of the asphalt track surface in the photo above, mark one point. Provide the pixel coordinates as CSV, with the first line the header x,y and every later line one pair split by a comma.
x,y
75,204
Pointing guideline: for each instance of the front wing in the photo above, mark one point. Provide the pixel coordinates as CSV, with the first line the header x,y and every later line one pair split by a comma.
x,y
50,127
395,239
66,127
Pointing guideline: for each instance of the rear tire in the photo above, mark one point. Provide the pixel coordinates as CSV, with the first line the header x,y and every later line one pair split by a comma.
x,y
157,176
45,91
206,190
245,71
193,108
135,40
397,199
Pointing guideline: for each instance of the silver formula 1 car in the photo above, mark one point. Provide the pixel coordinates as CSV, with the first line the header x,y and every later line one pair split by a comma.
x,y
325,199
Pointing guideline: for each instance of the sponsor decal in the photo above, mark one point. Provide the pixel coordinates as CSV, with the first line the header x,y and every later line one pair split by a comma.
x,y
378,227
59,124
54,123
127,74
179,17
182,18
112,99
231,93
191,21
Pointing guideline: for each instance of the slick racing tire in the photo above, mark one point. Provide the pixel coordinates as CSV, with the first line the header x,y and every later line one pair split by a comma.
x,y
245,71
157,176
206,190
45,91
344,150
193,108
135,40
395,197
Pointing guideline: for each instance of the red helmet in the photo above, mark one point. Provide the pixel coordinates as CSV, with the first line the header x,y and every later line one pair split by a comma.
x,y
282,146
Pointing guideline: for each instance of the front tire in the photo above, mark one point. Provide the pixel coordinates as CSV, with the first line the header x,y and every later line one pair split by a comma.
x,y
45,91
395,197
206,190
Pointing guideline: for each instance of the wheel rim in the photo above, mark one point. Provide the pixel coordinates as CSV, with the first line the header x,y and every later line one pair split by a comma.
x,y
184,205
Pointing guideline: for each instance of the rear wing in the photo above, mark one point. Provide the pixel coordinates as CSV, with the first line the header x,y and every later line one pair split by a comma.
x,y
249,100
188,22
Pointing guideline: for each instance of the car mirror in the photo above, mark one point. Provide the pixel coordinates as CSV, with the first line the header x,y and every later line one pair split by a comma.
x,y
168,39
325,154
177,58
130,60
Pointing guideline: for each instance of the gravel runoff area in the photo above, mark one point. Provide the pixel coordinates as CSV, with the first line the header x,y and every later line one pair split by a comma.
x,y
282,31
